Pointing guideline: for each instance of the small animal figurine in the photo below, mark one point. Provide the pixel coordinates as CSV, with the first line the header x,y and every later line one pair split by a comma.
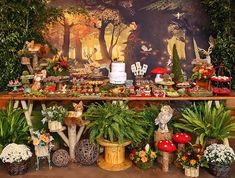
x,y
163,118
75,117
207,57
37,83
42,50
64,89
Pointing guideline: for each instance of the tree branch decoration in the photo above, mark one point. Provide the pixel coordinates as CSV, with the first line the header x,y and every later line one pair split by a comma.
x,y
73,120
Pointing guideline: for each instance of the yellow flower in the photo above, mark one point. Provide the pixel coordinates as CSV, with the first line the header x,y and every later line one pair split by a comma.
x,y
35,141
192,162
142,153
152,155
144,159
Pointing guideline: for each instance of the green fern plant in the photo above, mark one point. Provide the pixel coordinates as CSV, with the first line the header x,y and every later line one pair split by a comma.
x,y
208,120
13,126
115,122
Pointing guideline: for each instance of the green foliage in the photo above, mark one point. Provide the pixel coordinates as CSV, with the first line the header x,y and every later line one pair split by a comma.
x,y
116,122
176,68
222,25
149,114
208,120
20,21
13,126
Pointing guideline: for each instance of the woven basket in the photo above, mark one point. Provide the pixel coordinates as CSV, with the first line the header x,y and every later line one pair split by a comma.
x,y
221,171
144,166
18,168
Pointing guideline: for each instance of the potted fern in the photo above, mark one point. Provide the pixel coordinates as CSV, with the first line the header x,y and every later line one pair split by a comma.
x,y
13,126
114,126
209,121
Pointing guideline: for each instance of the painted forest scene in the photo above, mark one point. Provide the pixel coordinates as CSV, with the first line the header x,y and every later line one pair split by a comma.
x,y
129,30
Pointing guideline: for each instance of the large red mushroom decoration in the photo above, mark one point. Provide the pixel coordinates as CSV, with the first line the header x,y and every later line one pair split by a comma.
x,y
181,139
159,71
167,147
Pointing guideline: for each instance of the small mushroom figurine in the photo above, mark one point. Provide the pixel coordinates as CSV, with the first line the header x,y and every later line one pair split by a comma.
x,y
167,147
181,139
159,71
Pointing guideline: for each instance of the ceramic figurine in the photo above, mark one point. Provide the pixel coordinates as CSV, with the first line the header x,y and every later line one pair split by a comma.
x,y
163,118
37,83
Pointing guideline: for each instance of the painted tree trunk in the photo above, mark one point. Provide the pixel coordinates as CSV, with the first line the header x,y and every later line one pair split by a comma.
x,y
65,47
78,49
103,45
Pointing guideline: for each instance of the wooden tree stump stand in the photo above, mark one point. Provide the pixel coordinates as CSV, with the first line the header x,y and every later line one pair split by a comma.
x,y
114,156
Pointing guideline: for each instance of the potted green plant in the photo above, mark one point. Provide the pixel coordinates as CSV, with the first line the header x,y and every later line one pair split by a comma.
x,y
55,116
114,126
208,121
16,158
220,158
13,126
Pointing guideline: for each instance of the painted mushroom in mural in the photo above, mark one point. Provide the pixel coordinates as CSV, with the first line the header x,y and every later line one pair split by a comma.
x,y
166,147
159,71
181,139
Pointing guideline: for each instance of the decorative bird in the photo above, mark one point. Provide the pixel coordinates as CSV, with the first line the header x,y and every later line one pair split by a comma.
x,y
163,118
179,15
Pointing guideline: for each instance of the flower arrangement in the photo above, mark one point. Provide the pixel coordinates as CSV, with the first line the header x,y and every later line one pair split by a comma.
x,y
192,156
204,71
144,156
41,138
14,153
58,66
219,154
54,113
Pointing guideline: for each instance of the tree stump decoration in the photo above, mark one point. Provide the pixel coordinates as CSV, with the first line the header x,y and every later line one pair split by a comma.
x,y
73,120
86,153
114,157
60,158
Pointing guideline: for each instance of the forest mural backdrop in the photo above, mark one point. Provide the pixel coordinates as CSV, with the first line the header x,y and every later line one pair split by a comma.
x,y
130,30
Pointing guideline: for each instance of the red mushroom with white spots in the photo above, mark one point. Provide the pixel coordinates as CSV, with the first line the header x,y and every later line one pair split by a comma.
x,y
181,139
167,147
159,71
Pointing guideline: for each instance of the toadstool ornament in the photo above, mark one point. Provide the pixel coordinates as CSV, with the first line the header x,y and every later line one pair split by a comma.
x,y
166,146
159,71
181,139
163,118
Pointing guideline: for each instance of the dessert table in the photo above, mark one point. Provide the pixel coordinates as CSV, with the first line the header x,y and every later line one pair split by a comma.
x,y
27,101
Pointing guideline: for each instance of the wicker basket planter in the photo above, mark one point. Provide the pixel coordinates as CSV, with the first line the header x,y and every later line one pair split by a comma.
x,y
17,168
54,126
221,171
41,151
191,172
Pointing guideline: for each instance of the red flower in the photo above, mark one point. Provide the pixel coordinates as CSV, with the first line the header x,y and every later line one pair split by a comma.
x,y
131,156
63,63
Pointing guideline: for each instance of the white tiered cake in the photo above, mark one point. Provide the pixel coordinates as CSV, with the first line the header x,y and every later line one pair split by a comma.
x,y
118,74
